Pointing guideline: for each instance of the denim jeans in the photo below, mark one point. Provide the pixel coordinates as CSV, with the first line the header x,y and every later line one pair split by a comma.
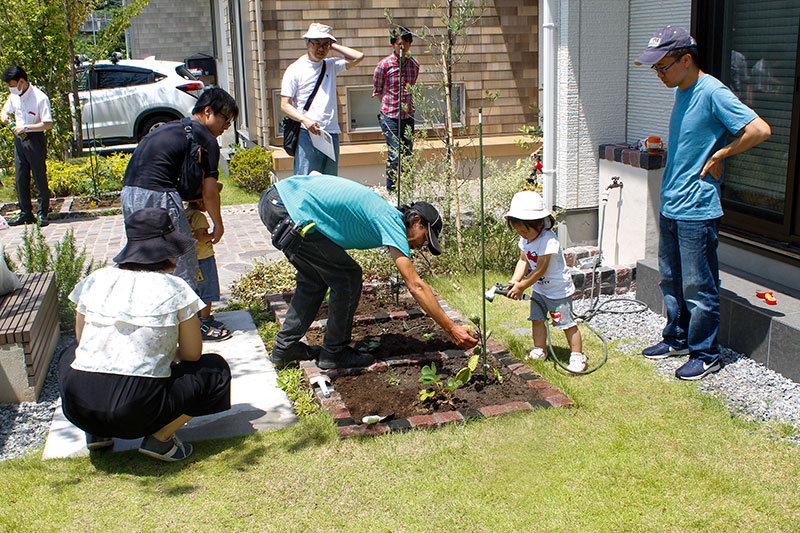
x,y
389,127
308,158
687,261
320,264
135,198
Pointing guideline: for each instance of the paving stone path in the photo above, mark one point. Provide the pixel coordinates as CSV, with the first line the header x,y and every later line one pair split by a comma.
x,y
245,239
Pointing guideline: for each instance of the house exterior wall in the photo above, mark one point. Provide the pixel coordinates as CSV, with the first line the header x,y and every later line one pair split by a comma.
x,y
591,86
188,23
649,101
501,55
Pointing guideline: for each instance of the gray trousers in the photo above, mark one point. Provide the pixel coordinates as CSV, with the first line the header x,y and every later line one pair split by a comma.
x,y
30,155
320,264
136,198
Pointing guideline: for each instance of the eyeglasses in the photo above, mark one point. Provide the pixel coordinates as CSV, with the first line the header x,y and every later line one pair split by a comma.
x,y
321,44
228,120
662,70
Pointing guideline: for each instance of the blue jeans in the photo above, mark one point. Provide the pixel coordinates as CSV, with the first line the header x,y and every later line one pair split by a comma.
x,y
687,261
308,158
320,264
390,127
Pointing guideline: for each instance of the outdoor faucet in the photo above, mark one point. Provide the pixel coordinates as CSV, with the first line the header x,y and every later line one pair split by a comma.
x,y
616,182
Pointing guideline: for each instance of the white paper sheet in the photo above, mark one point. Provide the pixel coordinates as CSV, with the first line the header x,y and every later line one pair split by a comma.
x,y
324,143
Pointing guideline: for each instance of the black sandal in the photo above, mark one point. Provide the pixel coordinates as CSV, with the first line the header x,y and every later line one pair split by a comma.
x,y
211,333
213,322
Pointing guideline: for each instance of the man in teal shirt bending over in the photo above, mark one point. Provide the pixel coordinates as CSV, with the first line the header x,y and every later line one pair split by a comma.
x,y
345,215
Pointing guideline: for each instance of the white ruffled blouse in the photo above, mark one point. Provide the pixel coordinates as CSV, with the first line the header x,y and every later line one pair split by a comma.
x,y
131,321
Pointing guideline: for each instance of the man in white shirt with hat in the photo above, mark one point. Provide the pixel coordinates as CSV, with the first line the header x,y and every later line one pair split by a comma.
x,y
28,109
298,83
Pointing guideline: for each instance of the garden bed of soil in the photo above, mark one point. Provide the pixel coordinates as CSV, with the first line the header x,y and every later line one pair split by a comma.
x,y
11,208
395,337
86,203
71,206
375,299
394,389
391,385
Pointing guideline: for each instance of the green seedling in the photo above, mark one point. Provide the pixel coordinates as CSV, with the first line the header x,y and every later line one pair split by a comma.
x,y
391,379
447,388
370,346
497,375
428,337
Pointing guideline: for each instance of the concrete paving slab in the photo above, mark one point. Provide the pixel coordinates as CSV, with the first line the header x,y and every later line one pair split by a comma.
x,y
257,404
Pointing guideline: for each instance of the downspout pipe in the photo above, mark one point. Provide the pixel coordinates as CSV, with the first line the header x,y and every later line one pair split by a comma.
x,y
262,79
548,101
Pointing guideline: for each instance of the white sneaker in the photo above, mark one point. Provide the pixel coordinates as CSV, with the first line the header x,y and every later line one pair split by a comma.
x,y
537,354
577,362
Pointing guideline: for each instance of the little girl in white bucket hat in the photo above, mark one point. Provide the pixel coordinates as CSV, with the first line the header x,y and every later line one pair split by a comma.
x,y
541,265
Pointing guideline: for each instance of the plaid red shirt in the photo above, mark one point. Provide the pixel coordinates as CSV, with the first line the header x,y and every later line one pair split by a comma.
x,y
386,84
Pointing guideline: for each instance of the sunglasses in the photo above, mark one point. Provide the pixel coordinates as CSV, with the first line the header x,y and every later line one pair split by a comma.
x,y
228,120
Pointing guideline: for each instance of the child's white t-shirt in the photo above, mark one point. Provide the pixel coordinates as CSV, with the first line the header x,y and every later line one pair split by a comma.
x,y
556,282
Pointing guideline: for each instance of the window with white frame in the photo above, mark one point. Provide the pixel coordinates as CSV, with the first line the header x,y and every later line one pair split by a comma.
x,y
277,113
363,109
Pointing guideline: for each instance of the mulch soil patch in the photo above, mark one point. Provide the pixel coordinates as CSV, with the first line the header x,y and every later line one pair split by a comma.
x,y
396,337
12,207
395,389
375,299
85,203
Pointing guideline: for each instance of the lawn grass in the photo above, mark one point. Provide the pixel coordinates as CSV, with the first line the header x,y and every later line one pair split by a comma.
x,y
637,453
233,195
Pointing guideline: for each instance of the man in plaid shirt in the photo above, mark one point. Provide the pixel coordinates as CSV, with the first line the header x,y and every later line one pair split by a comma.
x,y
396,120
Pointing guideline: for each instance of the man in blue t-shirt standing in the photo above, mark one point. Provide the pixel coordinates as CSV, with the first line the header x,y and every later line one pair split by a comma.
x,y
336,214
704,114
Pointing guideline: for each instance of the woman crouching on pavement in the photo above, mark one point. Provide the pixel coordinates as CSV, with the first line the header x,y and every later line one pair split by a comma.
x,y
138,369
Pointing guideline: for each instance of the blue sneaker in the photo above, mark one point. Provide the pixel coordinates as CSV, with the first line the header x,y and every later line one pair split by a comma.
x,y
695,369
662,350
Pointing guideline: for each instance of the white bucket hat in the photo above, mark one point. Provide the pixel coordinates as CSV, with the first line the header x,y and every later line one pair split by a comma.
x,y
319,31
528,205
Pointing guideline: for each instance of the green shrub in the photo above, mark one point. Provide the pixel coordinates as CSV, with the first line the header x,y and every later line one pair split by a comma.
x,y
68,264
251,169
74,177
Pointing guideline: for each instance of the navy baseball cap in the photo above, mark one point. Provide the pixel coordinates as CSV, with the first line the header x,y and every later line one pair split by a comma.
x,y
431,217
663,41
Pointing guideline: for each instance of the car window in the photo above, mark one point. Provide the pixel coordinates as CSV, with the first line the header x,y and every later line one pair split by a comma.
x,y
184,72
83,79
112,78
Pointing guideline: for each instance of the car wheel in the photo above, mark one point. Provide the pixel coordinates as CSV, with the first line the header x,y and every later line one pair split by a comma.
x,y
152,123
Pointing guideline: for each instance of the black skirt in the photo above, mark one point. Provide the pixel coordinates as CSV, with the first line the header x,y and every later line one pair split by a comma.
x,y
129,407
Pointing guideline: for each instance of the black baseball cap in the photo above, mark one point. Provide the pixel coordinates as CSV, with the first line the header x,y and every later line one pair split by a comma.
x,y
431,216
152,238
663,41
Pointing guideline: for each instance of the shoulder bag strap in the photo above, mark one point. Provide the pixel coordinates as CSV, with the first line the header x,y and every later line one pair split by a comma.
x,y
316,87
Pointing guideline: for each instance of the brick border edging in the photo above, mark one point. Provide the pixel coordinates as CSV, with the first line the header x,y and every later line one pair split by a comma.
x,y
609,280
348,427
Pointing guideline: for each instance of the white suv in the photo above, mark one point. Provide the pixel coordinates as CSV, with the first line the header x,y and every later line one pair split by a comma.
x,y
123,100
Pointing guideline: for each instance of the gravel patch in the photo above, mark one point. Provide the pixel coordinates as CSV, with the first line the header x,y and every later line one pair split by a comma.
x,y
750,390
24,426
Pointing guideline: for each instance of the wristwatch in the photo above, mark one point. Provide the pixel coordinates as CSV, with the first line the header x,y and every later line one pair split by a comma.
x,y
25,129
